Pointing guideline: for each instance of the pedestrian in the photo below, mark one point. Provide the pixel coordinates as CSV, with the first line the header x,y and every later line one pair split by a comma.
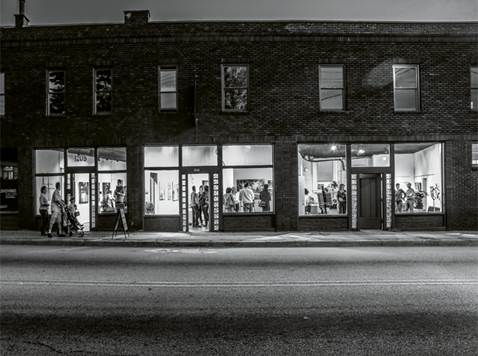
x,y
265,197
200,205
205,205
194,203
44,205
57,207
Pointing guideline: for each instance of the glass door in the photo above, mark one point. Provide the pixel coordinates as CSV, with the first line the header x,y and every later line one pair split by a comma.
x,y
81,191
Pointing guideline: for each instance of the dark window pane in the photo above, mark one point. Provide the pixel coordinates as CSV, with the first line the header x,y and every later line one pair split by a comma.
x,y
2,104
405,100
474,77
57,103
103,102
235,76
405,77
2,83
168,101
331,77
235,99
331,99
103,80
56,81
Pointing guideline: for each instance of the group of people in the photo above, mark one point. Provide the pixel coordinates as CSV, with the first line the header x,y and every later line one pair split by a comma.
x,y
327,198
245,197
199,203
405,200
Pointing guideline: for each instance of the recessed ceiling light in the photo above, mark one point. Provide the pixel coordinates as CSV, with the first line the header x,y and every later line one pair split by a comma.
x,y
334,148
361,151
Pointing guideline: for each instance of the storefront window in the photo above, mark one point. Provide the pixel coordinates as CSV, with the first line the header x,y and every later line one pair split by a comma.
x,y
194,156
50,161
474,155
112,165
161,156
322,179
81,157
370,155
248,189
8,180
49,181
161,180
418,178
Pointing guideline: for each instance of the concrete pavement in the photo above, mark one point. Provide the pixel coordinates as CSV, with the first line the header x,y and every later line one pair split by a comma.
x,y
253,239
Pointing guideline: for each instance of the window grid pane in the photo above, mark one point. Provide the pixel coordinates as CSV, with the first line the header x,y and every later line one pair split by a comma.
x,y
235,87
168,88
56,93
103,89
474,88
406,87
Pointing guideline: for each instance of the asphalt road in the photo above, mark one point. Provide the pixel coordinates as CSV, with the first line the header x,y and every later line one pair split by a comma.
x,y
238,301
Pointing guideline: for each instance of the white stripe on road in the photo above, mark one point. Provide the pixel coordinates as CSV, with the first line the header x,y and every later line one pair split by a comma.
x,y
165,284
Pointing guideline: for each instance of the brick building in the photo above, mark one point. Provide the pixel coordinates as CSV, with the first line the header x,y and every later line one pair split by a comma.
x,y
319,120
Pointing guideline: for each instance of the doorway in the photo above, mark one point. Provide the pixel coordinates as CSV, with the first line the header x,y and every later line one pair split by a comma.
x,y
81,191
370,199
199,193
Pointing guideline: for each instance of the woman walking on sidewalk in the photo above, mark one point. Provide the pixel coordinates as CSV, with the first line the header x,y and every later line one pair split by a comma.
x,y
44,205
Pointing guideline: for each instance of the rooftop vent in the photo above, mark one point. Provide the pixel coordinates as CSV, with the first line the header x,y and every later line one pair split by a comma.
x,y
20,19
136,17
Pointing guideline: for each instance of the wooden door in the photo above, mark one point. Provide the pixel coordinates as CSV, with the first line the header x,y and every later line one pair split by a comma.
x,y
369,194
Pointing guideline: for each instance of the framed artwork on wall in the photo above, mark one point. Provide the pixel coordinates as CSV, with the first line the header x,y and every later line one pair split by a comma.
x,y
83,190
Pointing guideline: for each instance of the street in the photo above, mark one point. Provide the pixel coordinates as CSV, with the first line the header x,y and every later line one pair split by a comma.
x,y
239,301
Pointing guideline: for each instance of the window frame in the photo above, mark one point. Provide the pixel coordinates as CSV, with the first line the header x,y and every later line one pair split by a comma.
x,y
95,95
2,94
416,88
474,165
160,91
223,88
327,65
48,93
473,68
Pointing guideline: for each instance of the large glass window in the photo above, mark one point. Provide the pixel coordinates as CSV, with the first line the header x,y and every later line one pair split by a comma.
x,y
418,178
102,100
474,154
111,162
8,180
80,157
370,155
331,81
2,93
161,180
474,87
56,92
167,88
248,183
199,156
322,179
49,170
406,87
235,87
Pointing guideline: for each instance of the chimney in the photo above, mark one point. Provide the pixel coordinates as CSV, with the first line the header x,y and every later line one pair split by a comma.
x,y
136,17
20,19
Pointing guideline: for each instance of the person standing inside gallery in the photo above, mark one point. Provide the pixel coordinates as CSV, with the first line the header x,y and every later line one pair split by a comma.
x,y
57,206
44,205
410,198
204,202
265,197
194,202
235,195
399,196
342,199
246,196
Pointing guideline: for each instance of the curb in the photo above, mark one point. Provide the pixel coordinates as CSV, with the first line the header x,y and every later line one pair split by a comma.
x,y
226,244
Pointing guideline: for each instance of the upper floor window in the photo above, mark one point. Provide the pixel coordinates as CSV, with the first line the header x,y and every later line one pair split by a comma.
x,y
56,92
474,87
168,88
406,87
235,87
2,93
474,155
331,84
102,91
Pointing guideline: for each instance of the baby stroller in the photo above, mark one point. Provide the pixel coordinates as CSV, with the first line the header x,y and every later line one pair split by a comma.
x,y
72,221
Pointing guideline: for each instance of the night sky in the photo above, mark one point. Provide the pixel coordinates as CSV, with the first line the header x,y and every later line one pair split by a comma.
x,y
84,11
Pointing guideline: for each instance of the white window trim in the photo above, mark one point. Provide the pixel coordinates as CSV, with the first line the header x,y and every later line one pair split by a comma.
x,y
223,97
416,88
94,91
48,113
325,88
160,91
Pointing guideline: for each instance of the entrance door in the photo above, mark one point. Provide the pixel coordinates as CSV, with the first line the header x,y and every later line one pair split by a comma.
x,y
199,214
81,190
370,197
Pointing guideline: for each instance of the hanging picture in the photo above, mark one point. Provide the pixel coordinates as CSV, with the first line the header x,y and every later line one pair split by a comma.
x,y
83,190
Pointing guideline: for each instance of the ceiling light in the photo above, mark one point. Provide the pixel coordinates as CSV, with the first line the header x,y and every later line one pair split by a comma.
x,y
361,151
333,148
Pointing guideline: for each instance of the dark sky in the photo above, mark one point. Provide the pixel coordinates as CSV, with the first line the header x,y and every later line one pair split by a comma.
x,y
83,11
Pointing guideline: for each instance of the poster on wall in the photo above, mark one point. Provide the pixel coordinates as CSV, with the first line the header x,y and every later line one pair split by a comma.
x,y
83,189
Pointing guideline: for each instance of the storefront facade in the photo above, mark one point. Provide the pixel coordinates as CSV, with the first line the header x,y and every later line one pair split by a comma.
x,y
342,134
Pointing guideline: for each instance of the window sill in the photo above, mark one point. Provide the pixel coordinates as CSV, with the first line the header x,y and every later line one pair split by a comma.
x,y
161,216
269,213
407,111
102,114
309,216
332,111
226,112
420,214
8,212
168,111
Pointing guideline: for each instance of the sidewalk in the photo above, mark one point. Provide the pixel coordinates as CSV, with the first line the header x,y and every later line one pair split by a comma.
x,y
256,239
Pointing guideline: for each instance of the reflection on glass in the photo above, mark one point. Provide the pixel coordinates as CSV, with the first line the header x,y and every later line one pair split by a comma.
x,y
235,86
81,157
161,156
49,161
246,155
161,190
199,156
56,92
103,90
322,179
111,158
247,190
418,178
370,155
107,183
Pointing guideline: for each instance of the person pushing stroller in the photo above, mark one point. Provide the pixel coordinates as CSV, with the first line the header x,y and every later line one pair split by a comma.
x,y
72,214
